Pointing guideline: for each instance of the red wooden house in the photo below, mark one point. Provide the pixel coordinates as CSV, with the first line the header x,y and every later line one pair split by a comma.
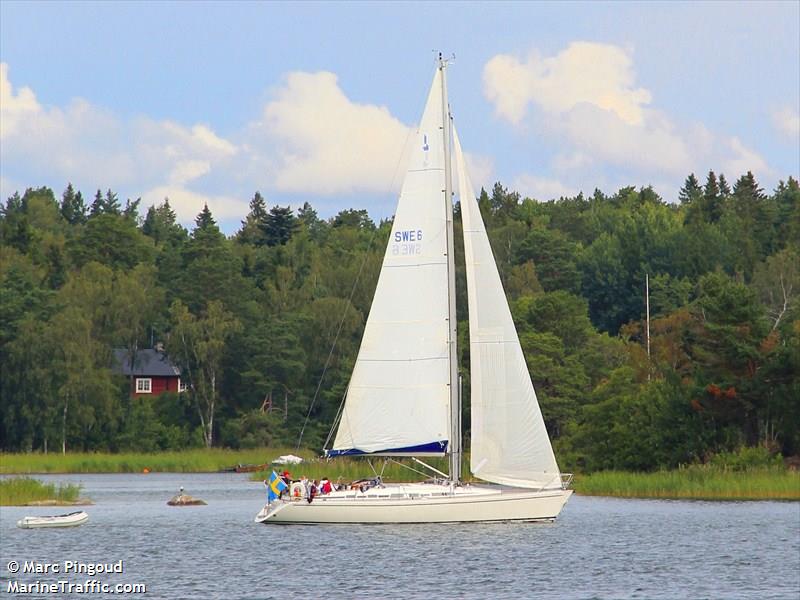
x,y
152,373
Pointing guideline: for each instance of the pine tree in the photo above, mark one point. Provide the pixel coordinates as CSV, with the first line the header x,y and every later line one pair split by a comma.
x,y
307,216
205,221
485,205
712,202
132,210
279,225
165,226
149,227
80,207
252,226
724,188
711,189
308,219
15,230
258,208
503,202
167,215
72,208
691,190
206,238
111,204
747,196
353,218
98,205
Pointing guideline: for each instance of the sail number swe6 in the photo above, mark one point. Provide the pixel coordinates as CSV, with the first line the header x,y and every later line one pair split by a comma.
x,y
407,242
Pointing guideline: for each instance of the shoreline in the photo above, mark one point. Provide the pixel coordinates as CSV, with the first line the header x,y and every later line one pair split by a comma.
x,y
695,482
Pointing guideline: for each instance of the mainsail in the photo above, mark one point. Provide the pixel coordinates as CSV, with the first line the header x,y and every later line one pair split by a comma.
x,y
510,444
398,400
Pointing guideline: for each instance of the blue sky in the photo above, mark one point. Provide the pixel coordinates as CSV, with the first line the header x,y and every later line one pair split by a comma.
x,y
208,102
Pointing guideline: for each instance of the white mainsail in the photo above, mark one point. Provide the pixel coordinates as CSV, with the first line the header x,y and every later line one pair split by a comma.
x,y
398,400
509,441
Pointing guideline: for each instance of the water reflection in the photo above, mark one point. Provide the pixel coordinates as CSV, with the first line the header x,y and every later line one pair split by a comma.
x,y
598,548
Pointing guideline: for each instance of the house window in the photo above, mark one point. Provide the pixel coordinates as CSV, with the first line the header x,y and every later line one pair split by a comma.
x,y
181,386
144,385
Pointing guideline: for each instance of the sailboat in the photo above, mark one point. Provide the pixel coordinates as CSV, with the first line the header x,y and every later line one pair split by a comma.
x,y
403,399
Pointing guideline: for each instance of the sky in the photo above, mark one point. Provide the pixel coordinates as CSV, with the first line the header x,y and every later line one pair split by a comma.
x,y
206,102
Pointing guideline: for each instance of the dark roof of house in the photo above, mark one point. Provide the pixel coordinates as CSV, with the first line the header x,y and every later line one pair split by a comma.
x,y
149,362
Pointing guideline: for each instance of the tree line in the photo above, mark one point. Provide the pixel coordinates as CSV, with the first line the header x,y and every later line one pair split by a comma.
x,y
251,319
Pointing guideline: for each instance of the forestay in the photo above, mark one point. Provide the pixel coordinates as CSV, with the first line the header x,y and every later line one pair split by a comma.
x,y
510,444
398,398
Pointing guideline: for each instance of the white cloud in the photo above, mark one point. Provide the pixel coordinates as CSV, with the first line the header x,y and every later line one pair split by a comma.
x,y
188,204
480,170
584,73
311,139
314,139
14,108
541,188
652,146
743,159
787,121
93,147
572,161
585,99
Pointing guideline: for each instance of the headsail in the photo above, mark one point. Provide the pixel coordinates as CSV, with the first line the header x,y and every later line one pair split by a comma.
x,y
398,400
510,444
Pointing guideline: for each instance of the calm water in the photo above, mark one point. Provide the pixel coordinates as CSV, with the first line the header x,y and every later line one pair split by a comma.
x,y
598,548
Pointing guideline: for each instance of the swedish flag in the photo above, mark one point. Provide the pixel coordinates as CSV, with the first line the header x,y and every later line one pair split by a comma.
x,y
274,487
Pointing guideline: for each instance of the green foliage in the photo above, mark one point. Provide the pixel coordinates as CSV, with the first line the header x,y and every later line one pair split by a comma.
x,y
747,458
112,240
691,191
278,226
252,320
695,482
162,226
197,345
18,491
197,460
257,429
146,428
555,258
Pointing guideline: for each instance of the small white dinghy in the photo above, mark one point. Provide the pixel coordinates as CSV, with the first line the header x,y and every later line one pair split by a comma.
x,y
69,520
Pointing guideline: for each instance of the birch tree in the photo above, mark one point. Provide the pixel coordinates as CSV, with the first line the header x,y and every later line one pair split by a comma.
x,y
197,345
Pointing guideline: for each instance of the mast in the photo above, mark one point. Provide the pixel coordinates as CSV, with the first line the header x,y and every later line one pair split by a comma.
x,y
455,399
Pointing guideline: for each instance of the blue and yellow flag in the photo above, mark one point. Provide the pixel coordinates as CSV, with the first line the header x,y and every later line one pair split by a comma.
x,y
274,487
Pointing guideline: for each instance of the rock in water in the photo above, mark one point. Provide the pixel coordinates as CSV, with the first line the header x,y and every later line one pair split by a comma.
x,y
185,500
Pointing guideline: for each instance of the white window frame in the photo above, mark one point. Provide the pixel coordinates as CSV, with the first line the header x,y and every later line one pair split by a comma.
x,y
144,385
182,387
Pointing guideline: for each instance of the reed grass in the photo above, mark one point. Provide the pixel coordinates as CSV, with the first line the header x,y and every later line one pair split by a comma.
x,y
698,482
701,482
200,460
19,491
352,469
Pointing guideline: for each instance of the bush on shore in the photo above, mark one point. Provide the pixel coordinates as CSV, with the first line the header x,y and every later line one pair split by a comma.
x,y
18,491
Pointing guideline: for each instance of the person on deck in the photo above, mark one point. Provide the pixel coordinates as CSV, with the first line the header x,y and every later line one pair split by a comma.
x,y
287,479
325,486
312,491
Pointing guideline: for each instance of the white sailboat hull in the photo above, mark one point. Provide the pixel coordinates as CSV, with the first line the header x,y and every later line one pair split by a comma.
x,y
467,505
